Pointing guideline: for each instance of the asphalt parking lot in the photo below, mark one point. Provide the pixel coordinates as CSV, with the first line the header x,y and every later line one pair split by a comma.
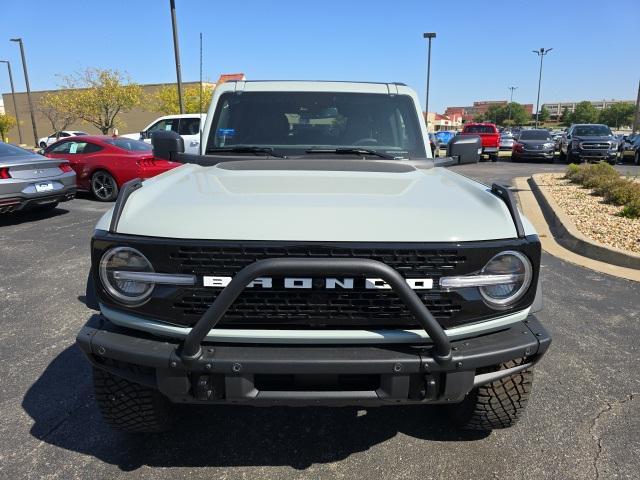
x,y
583,420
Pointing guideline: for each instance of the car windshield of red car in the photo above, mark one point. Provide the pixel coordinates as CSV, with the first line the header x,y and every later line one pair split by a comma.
x,y
130,144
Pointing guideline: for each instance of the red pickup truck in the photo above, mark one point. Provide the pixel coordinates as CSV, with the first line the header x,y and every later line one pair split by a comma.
x,y
489,135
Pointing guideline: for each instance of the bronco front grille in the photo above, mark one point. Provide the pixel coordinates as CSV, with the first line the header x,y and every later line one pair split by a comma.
x,y
316,307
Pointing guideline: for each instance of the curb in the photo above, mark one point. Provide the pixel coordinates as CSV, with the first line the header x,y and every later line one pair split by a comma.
x,y
568,235
533,212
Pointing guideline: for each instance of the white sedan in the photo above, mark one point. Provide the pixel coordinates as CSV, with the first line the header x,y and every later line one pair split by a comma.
x,y
44,142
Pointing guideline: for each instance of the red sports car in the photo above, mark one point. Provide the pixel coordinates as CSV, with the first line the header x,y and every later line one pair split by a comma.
x,y
103,163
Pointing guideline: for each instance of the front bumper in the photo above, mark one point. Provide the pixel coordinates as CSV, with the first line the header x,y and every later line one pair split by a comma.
x,y
535,154
595,155
311,375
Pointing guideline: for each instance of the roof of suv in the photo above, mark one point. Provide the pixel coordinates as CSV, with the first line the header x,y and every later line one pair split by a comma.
x,y
316,86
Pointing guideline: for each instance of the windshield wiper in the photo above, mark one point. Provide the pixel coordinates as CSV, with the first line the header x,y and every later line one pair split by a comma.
x,y
247,149
352,151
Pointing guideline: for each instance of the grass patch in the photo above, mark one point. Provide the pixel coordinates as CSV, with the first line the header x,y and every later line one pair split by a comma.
x,y
606,182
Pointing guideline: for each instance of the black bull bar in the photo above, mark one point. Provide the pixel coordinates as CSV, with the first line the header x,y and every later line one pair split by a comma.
x,y
192,350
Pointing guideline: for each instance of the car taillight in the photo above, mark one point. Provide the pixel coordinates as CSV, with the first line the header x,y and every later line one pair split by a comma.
x,y
146,162
65,167
4,173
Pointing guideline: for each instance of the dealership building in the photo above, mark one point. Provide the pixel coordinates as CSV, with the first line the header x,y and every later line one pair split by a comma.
x,y
555,109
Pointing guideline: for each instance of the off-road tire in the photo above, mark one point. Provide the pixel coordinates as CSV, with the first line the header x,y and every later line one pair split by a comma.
x,y
129,406
496,405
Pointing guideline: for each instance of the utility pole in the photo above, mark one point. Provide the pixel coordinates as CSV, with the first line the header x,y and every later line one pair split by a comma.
x,y
511,101
541,53
428,35
13,96
636,118
176,50
26,81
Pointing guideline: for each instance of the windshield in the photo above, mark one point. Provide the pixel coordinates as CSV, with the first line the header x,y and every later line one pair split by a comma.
x,y
592,130
535,135
129,144
293,122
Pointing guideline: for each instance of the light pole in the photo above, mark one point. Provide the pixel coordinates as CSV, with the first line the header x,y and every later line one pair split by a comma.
x,y
428,35
13,96
26,81
541,53
511,101
176,51
636,117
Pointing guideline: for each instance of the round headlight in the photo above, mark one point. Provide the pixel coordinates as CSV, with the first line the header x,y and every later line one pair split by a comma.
x,y
510,263
125,259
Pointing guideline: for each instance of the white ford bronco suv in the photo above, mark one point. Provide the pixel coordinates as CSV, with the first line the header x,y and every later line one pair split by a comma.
x,y
313,253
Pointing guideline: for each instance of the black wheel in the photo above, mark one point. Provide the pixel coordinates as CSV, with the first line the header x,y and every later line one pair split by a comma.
x,y
493,158
569,157
562,156
128,406
515,158
104,186
496,405
43,145
636,158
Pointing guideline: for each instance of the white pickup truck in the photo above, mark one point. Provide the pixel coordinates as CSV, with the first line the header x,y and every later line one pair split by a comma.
x,y
313,253
187,125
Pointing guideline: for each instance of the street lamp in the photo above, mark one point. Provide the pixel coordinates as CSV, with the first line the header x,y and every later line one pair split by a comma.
x,y
428,35
13,96
26,81
176,51
511,101
541,53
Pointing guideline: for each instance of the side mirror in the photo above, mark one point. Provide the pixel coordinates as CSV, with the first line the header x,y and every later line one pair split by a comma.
x,y
465,148
40,151
166,144
143,135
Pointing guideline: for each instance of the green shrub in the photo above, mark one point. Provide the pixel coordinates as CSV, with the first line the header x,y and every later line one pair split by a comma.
x,y
631,210
622,192
608,183
572,170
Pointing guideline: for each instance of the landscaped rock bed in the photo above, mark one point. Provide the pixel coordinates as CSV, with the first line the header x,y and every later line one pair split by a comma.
x,y
591,216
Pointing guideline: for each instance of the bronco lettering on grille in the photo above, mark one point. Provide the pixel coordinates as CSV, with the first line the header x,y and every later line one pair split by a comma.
x,y
328,283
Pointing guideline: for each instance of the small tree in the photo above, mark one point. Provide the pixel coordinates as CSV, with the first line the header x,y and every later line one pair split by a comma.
x,y
566,118
618,115
101,96
166,99
6,123
585,112
543,114
58,109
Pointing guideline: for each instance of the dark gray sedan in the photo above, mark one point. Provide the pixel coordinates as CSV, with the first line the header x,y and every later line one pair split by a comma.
x,y
533,145
30,180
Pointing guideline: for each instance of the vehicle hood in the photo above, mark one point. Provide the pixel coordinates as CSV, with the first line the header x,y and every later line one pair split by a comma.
x,y
534,142
596,138
416,205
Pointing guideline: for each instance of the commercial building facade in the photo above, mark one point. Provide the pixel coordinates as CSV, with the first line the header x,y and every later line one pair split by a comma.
x,y
555,109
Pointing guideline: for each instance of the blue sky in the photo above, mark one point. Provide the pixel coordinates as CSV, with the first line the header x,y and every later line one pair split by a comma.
x,y
481,49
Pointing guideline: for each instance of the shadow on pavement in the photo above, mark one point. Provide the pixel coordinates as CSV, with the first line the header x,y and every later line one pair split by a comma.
x,y
65,415
32,215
